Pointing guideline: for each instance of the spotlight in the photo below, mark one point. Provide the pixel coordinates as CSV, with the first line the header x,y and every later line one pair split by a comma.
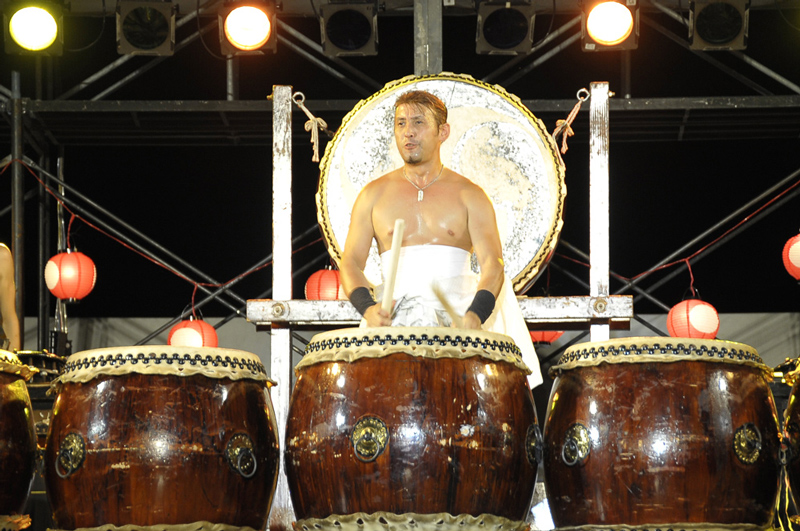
x,y
247,28
145,28
504,28
33,28
610,25
715,25
349,29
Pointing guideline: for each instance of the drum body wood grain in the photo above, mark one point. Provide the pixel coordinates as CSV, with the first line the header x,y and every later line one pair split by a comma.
x,y
17,435
791,429
406,421
162,436
660,431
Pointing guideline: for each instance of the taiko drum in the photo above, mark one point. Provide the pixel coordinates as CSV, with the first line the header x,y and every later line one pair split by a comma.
x,y
161,435
791,432
411,426
661,433
18,448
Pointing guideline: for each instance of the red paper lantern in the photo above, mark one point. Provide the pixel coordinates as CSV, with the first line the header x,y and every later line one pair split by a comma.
x,y
693,318
545,336
324,285
70,275
192,333
791,256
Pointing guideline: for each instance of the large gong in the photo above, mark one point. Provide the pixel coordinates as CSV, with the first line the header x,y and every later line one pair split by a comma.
x,y
495,141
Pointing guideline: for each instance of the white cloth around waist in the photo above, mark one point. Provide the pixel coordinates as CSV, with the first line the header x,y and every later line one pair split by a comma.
x,y
421,267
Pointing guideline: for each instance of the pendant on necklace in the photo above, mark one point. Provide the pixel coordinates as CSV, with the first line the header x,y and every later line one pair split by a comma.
x,y
420,194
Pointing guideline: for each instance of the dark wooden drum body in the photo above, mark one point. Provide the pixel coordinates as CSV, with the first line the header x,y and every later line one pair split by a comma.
x,y
17,436
435,424
661,432
791,430
160,435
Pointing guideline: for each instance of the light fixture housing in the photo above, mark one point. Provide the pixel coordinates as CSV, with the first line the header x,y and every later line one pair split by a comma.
x,y
349,29
258,46
146,27
629,9
718,25
504,28
52,45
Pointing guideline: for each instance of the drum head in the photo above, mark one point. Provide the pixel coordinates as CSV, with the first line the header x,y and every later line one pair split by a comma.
x,y
353,344
658,350
495,141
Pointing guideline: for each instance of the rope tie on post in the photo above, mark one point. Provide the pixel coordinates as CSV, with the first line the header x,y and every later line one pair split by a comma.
x,y
314,124
564,127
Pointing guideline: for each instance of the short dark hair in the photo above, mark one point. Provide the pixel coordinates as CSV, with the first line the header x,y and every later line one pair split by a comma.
x,y
426,100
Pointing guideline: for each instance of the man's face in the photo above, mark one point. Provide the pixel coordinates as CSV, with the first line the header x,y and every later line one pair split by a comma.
x,y
416,133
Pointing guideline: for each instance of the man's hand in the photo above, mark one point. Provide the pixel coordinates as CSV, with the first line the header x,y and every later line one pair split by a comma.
x,y
375,316
471,321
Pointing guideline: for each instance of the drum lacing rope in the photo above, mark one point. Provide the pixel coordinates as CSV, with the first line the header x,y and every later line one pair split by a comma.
x,y
314,124
564,127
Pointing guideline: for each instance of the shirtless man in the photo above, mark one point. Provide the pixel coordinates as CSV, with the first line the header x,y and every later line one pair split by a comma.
x,y
439,207
8,299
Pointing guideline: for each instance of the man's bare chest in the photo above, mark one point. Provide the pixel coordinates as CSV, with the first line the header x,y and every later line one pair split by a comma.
x,y
439,216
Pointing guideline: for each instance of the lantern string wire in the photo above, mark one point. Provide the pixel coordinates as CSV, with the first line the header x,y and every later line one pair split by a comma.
x,y
246,273
724,234
196,284
691,277
69,228
693,255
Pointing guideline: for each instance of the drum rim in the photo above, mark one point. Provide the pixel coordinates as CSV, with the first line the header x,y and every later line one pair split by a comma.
x,y
523,279
212,362
375,521
351,344
9,357
12,365
202,525
644,349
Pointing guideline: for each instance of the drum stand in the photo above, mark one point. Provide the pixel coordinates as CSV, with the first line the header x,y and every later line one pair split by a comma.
x,y
598,311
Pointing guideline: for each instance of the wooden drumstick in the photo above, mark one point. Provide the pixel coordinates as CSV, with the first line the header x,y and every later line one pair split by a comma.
x,y
388,286
458,321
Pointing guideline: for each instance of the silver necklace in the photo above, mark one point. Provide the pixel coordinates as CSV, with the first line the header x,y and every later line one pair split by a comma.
x,y
420,191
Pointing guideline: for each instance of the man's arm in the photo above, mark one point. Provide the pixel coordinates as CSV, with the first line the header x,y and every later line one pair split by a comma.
x,y
354,259
8,299
482,226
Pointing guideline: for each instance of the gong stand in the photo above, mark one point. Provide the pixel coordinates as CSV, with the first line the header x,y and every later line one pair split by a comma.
x,y
599,311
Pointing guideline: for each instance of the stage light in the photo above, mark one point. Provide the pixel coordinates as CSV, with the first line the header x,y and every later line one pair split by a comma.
x,y
145,28
610,25
349,29
504,28
247,28
715,25
33,28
